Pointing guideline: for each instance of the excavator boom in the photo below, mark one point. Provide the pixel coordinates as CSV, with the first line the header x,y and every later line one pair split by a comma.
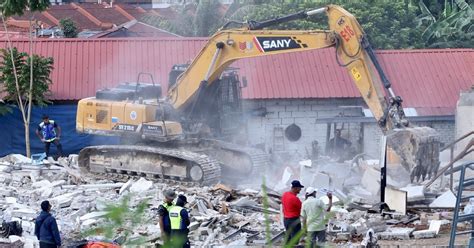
x,y
353,52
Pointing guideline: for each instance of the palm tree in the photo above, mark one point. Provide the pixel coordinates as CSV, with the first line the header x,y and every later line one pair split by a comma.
x,y
454,27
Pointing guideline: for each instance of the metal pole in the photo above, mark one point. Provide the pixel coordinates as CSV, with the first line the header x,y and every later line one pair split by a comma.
x,y
383,168
454,224
451,157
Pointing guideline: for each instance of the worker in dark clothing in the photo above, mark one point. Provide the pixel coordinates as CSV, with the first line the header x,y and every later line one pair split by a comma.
x,y
46,228
47,133
163,212
338,146
292,210
179,219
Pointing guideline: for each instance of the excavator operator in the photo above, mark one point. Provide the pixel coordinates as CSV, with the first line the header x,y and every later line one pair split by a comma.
x,y
338,146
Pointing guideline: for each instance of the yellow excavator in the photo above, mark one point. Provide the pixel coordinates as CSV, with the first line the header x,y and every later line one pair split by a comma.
x,y
179,138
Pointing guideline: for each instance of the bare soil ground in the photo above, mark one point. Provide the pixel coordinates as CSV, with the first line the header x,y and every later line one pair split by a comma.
x,y
441,241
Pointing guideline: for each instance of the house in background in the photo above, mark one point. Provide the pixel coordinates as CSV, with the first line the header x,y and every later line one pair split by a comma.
x,y
92,20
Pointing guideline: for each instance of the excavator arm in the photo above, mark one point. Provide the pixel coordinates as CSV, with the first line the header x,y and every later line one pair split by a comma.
x,y
352,49
417,148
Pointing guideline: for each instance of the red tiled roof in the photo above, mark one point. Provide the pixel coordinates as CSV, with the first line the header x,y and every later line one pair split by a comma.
x,y
88,16
135,29
428,80
106,15
168,13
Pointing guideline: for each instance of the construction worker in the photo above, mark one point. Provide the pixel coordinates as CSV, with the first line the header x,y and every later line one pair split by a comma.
x,y
179,219
46,132
291,205
314,218
163,212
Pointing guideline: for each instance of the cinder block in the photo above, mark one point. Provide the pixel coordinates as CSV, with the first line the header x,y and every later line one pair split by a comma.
x,y
305,114
275,108
284,114
291,108
304,108
304,121
287,121
275,121
297,102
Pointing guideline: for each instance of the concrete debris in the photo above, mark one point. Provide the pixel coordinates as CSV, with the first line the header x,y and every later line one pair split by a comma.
x,y
126,186
446,200
415,193
141,185
395,233
221,215
424,234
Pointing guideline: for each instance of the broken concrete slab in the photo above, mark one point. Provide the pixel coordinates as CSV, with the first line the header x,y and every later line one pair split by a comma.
x,y
371,180
41,184
445,200
141,185
24,213
435,225
396,233
10,200
284,181
58,183
424,234
126,186
396,200
414,193
104,186
92,215
64,200
18,158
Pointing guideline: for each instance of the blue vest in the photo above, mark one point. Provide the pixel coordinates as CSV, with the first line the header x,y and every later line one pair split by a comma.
x,y
47,130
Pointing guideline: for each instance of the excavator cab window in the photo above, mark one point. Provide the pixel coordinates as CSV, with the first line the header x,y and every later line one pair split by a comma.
x,y
176,70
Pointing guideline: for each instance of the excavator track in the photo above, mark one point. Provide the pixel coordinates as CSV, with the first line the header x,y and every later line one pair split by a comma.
x,y
158,164
258,158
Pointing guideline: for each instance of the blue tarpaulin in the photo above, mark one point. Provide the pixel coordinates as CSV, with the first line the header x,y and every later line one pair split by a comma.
x,y
12,132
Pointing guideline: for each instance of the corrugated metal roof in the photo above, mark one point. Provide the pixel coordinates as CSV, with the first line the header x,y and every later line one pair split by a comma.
x,y
426,79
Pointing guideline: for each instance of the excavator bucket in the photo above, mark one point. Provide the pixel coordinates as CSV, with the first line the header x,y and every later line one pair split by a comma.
x,y
418,149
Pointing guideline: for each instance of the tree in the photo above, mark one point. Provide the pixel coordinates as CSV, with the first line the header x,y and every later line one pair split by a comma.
x,y
389,24
452,27
42,68
10,8
69,28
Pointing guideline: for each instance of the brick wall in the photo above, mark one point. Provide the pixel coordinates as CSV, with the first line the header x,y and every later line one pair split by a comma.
x,y
305,113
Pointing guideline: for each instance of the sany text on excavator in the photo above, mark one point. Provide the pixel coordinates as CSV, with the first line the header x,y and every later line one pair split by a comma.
x,y
174,138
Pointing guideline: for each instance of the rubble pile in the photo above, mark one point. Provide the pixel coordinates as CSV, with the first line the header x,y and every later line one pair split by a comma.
x,y
220,215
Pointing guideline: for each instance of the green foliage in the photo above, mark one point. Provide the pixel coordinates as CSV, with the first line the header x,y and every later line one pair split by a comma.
x,y
120,221
5,109
69,28
452,27
17,7
266,206
389,24
42,68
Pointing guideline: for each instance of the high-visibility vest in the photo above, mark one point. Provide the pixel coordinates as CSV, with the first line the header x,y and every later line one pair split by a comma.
x,y
175,217
166,206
